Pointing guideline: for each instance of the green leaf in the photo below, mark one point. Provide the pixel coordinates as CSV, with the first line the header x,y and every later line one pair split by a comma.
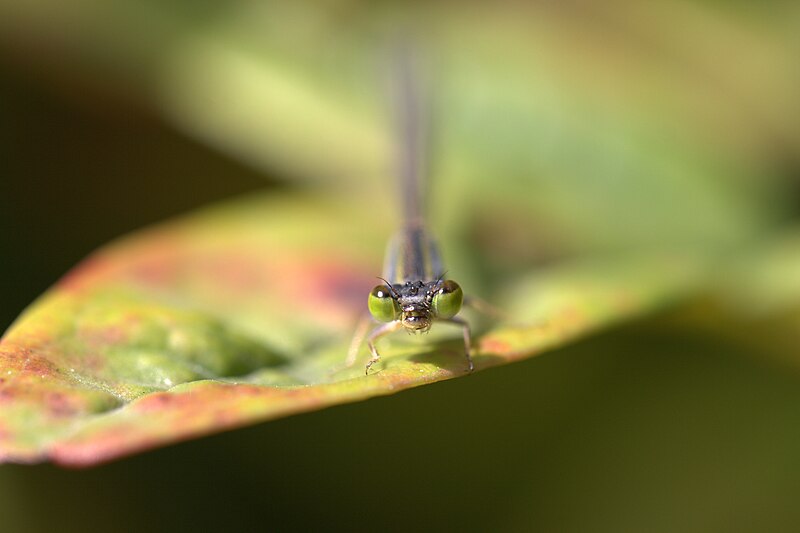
x,y
244,313
755,303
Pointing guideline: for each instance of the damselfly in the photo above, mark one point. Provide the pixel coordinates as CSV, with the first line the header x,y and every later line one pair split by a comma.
x,y
414,293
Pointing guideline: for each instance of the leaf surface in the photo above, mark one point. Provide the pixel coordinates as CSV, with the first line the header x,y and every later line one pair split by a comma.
x,y
244,313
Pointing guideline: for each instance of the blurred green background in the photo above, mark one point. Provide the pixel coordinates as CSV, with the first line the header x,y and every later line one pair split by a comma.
x,y
562,131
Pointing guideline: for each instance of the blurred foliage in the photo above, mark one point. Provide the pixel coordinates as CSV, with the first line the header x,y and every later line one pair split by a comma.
x,y
565,133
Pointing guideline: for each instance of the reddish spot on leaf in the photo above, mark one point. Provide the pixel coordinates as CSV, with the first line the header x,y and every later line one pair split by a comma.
x,y
27,363
492,345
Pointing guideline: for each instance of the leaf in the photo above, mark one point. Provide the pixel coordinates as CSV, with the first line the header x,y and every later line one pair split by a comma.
x,y
244,313
755,303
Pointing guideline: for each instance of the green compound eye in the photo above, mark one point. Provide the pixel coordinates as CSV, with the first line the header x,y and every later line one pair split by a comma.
x,y
447,300
381,304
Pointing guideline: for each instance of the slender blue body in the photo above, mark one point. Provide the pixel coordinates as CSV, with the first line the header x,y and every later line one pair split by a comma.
x,y
415,293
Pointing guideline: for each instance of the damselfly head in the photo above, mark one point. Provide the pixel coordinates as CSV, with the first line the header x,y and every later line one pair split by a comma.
x,y
416,304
